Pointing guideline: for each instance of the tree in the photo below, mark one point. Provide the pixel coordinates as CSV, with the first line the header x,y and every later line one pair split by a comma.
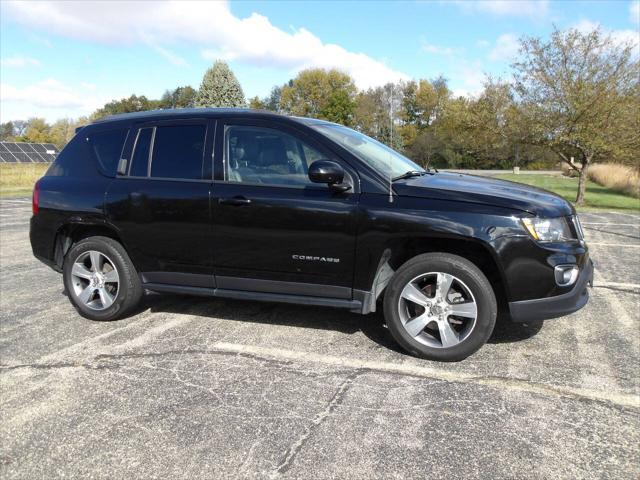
x,y
131,104
423,104
62,131
494,125
378,114
272,102
574,93
220,88
20,127
181,97
38,131
318,93
425,147
424,101
7,132
256,103
371,116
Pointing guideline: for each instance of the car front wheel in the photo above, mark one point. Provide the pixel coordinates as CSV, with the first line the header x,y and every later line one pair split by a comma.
x,y
440,307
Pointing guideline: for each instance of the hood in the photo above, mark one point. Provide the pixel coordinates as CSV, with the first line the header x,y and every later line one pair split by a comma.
x,y
484,190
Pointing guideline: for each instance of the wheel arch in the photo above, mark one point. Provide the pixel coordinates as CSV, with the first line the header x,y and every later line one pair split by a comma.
x,y
71,233
476,251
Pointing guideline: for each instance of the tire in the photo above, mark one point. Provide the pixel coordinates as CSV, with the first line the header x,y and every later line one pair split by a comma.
x,y
450,332
110,295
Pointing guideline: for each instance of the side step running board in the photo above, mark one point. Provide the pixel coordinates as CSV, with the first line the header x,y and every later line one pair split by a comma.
x,y
353,305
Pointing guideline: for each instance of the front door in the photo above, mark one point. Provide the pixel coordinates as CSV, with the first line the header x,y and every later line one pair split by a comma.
x,y
273,229
161,202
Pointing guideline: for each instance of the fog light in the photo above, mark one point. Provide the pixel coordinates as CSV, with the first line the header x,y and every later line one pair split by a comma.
x,y
566,274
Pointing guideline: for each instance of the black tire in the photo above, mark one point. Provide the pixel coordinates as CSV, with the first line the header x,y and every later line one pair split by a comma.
x,y
129,291
473,279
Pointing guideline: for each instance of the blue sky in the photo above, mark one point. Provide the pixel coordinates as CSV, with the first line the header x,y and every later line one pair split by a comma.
x,y
64,59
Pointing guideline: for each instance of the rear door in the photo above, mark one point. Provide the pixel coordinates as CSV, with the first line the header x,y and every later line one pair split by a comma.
x,y
160,201
273,229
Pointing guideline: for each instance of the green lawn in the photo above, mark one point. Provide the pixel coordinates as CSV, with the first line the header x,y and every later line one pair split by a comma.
x,y
597,197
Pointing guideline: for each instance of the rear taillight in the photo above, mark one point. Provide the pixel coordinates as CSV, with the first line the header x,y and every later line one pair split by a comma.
x,y
35,200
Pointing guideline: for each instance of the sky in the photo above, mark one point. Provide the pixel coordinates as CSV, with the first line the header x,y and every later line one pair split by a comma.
x,y
65,59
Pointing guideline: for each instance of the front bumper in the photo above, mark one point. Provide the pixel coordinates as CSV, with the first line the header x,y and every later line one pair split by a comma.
x,y
558,306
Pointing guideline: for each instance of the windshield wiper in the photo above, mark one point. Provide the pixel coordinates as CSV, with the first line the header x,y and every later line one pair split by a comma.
x,y
409,174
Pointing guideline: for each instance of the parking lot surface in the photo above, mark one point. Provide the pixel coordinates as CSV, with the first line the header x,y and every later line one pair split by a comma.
x,y
211,388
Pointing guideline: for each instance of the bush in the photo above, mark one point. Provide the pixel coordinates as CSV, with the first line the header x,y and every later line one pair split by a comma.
x,y
567,171
617,177
538,166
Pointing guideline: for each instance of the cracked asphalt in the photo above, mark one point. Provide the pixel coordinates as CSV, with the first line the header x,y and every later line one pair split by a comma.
x,y
202,388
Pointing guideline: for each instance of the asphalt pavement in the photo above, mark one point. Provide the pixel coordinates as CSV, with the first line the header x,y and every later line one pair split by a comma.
x,y
211,388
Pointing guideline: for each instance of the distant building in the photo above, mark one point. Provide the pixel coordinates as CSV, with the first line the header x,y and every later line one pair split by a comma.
x,y
24,152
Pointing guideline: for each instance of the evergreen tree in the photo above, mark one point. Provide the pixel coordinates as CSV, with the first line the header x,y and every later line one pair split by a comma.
x,y
220,88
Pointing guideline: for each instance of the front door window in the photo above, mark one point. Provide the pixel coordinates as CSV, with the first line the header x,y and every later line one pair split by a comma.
x,y
258,155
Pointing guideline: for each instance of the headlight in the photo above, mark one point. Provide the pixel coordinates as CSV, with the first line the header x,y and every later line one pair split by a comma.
x,y
548,229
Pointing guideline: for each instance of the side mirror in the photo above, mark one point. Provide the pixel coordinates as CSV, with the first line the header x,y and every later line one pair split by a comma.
x,y
326,171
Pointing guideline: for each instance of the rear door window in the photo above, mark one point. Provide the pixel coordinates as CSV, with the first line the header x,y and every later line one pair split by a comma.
x,y
178,151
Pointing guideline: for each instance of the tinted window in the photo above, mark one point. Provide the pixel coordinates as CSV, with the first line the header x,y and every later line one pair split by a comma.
x,y
265,155
140,157
107,148
178,151
75,159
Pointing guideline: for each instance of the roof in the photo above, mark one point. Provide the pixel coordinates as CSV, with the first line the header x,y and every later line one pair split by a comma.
x,y
200,112
25,152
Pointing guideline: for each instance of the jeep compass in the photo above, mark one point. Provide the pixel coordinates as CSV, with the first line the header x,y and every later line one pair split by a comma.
x,y
253,205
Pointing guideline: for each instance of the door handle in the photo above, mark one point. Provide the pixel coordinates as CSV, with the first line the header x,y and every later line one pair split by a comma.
x,y
237,201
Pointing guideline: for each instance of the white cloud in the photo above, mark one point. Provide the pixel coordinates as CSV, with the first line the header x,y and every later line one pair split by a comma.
x,y
506,48
524,8
47,93
208,25
634,12
473,79
436,49
19,61
48,98
619,37
172,58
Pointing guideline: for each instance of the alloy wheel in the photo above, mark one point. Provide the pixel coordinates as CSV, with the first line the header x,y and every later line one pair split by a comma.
x,y
437,309
95,280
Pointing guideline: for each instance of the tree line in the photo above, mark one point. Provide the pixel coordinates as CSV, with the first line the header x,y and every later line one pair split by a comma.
x,y
572,98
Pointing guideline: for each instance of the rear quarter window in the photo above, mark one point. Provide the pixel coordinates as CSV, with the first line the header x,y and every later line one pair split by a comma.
x,y
75,160
107,148
90,152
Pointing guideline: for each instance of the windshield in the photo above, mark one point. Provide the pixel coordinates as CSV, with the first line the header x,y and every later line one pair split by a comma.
x,y
378,156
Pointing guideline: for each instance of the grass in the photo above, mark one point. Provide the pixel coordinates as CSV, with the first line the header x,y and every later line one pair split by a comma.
x,y
18,179
596,197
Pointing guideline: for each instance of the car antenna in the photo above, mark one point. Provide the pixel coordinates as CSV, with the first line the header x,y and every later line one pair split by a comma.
x,y
390,146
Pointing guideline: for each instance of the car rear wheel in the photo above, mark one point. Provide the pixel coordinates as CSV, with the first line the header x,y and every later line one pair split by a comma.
x,y
100,279
440,306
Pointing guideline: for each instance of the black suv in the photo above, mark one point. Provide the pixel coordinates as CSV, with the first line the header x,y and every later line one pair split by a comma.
x,y
253,205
